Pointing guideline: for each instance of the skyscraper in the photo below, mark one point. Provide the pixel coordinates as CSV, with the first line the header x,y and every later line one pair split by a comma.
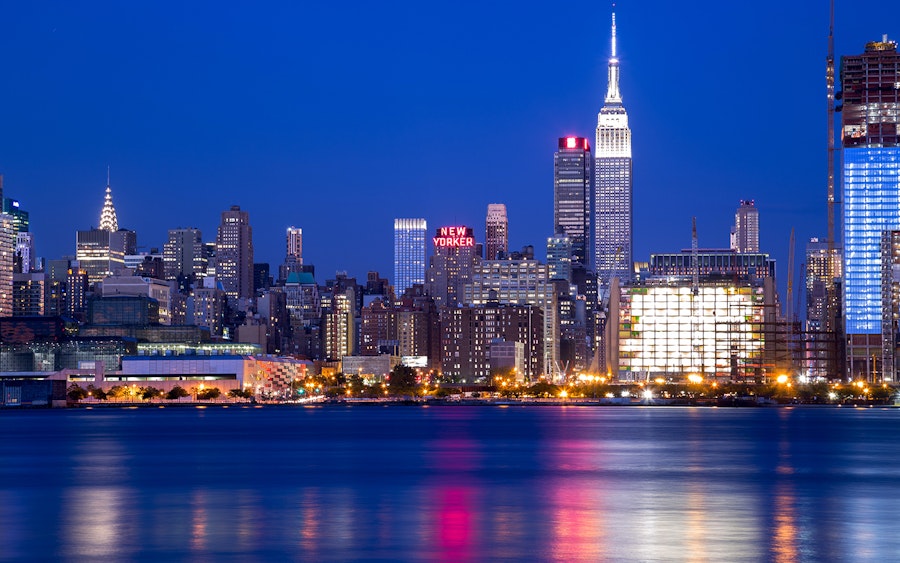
x,y
573,167
108,220
452,265
613,233
746,227
183,255
234,254
871,167
409,254
293,255
559,257
496,231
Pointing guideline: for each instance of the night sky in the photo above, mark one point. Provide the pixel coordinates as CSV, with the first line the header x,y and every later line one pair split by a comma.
x,y
338,117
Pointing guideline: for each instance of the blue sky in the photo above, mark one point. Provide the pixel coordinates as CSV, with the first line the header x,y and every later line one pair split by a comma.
x,y
338,117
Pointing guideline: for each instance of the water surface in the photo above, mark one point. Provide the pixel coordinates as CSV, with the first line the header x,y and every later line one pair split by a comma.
x,y
455,483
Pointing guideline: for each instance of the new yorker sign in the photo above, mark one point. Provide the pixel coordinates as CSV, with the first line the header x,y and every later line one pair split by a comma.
x,y
454,237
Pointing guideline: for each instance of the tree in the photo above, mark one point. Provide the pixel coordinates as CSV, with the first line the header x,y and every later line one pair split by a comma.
x,y
117,392
96,392
76,393
240,393
177,392
209,393
150,393
402,380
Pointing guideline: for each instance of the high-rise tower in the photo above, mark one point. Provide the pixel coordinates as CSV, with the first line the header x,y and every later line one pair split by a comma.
x,y
871,205
573,167
613,233
496,231
746,227
293,254
234,254
409,254
108,220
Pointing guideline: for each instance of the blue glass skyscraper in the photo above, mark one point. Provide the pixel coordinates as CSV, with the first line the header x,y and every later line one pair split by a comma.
x,y
409,254
871,183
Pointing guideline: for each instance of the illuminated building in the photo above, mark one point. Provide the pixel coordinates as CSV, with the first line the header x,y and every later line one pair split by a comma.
x,y
559,257
137,286
205,307
338,325
452,265
183,255
7,262
377,329
76,292
613,220
496,232
468,332
746,228
29,294
100,252
573,167
823,274
293,256
522,282
409,253
870,138
712,261
664,330
890,303
234,254
20,216
108,220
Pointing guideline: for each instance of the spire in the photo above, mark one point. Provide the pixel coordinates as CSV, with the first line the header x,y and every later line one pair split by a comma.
x,y
108,221
612,92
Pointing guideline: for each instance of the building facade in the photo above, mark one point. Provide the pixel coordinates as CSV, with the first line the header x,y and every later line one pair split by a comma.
x,y
293,255
452,265
746,227
467,334
234,254
496,231
520,282
573,168
871,198
183,255
665,330
613,191
409,253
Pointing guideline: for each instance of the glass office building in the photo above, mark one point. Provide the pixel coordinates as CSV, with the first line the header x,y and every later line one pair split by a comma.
x,y
870,138
871,206
409,254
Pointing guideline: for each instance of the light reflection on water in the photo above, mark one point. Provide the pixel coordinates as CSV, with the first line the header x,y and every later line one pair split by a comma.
x,y
452,484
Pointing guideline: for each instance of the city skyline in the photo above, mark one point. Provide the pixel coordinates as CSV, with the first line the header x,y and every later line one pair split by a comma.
x,y
157,129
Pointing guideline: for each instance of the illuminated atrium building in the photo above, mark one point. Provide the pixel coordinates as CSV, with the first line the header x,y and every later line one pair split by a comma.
x,y
613,220
870,139
573,167
409,254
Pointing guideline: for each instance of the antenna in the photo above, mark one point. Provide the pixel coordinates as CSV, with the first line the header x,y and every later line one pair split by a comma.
x,y
829,84
614,31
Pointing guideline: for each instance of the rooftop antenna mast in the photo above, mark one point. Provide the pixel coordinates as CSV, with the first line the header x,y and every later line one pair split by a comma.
x,y
829,83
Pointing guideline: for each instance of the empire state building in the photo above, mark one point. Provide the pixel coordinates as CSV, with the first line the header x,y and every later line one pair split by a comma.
x,y
613,218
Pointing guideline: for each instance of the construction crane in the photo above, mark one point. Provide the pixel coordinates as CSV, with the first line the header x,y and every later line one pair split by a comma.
x,y
790,281
695,258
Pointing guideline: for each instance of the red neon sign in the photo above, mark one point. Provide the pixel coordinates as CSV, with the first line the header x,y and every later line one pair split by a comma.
x,y
453,237
571,142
